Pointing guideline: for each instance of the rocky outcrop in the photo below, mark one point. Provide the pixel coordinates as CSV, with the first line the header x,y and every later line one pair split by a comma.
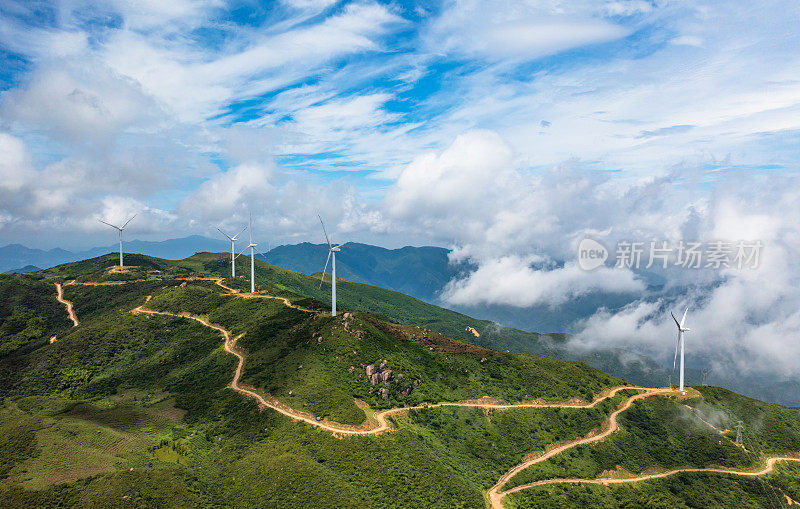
x,y
386,376
346,319
383,392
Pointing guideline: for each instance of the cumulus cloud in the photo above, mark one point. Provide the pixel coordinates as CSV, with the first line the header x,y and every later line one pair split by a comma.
x,y
72,104
520,229
513,281
460,177
747,320
246,184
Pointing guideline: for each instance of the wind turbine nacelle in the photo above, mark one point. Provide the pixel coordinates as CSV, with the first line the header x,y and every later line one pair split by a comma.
x,y
335,249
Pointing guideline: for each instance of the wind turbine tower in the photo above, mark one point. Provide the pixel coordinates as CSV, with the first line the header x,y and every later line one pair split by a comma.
x,y
120,234
332,250
681,330
233,253
252,247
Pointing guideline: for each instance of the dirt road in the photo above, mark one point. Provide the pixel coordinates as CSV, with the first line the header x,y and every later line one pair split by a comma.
x,y
68,304
609,426
767,468
380,423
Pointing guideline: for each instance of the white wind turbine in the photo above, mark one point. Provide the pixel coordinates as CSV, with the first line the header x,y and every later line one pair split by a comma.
x,y
120,234
252,247
233,253
332,250
681,330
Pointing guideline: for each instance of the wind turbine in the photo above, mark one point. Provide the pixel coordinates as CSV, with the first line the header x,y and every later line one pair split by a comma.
x,y
681,330
233,253
252,247
120,234
332,250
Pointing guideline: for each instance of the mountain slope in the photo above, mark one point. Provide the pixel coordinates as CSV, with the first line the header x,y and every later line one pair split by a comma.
x,y
135,408
421,272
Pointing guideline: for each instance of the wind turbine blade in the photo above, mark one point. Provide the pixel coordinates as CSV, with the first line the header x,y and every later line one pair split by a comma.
x,y
240,254
222,232
676,320
109,224
126,222
251,228
234,237
322,277
683,320
340,245
326,233
259,252
675,360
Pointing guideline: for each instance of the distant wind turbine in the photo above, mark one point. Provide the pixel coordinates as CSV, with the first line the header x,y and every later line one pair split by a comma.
x,y
332,250
681,330
120,234
252,247
233,253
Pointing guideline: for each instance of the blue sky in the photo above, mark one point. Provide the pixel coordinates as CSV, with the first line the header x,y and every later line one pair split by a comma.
x,y
507,130
121,107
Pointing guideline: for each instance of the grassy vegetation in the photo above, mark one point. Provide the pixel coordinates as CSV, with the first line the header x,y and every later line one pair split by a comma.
x,y
654,432
682,491
29,314
482,444
148,393
315,363
768,427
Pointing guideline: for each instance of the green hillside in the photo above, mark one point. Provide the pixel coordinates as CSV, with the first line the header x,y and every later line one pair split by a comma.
x,y
136,409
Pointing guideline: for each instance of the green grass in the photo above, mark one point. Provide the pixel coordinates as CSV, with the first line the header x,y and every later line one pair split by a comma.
x,y
654,432
769,427
681,491
150,393
483,444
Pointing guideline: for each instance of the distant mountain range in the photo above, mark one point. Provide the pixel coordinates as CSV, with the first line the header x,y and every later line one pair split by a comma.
x,y
421,272
17,258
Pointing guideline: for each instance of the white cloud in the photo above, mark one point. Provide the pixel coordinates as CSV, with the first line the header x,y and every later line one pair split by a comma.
x,y
72,104
463,176
493,30
15,163
247,185
512,281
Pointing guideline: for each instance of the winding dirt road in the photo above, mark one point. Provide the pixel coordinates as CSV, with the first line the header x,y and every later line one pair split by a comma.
x,y
768,467
68,304
378,423
609,426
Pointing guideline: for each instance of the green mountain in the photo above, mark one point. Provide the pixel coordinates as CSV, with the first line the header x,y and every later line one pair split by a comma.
x,y
144,402
421,272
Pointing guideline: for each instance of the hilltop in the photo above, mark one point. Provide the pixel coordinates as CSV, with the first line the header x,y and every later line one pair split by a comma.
x,y
176,388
